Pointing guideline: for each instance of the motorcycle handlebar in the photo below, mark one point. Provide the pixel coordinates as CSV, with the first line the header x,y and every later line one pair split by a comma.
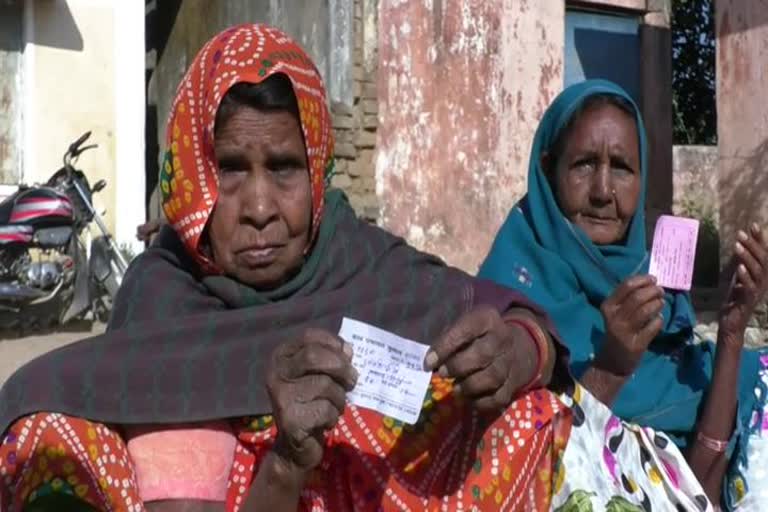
x,y
75,150
80,151
76,145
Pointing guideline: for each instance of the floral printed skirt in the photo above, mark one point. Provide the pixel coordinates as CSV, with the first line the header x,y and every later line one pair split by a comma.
x,y
544,452
620,467
747,485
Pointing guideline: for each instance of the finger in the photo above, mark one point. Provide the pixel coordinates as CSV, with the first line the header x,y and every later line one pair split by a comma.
x,y
319,359
312,417
290,400
748,261
650,330
757,234
321,387
329,340
499,400
744,278
326,415
646,313
629,286
471,325
640,297
477,356
751,247
484,382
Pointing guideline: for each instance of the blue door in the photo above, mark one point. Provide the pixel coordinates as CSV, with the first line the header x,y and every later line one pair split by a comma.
x,y
602,45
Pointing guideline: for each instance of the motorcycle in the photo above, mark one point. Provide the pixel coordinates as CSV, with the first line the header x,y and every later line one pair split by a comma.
x,y
52,270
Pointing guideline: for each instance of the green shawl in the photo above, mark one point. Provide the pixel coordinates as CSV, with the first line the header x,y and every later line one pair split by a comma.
x,y
182,347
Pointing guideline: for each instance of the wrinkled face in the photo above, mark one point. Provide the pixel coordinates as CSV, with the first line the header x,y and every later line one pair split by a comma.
x,y
597,177
261,224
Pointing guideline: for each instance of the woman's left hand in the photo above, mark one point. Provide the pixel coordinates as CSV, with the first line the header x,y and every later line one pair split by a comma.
x,y
749,285
489,359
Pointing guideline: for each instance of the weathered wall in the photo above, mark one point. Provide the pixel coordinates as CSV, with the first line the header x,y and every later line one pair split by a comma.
x,y
696,181
742,115
340,36
696,195
462,86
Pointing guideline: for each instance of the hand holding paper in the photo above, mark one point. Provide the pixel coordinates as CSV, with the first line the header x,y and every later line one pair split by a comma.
x,y
307,382
488,358
674,252
632,316
392,379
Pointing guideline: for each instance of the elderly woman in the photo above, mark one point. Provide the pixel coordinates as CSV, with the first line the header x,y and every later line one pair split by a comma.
x,y
576,245
221,383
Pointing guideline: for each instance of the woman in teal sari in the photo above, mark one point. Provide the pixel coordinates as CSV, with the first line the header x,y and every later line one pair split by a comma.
x,y
576,244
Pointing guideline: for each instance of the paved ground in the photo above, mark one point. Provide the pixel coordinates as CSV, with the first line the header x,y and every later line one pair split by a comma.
x,y
16,351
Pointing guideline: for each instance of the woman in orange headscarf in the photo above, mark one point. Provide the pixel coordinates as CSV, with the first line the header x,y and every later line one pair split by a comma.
x,y
222,382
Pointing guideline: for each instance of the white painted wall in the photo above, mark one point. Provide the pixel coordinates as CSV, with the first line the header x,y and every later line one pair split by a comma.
x,y
95,85
130,105
29,160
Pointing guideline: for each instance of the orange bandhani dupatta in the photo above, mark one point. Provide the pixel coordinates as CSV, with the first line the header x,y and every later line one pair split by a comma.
x,y
451,459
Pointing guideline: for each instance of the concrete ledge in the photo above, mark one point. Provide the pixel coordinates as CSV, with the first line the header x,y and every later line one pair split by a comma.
x,y
640,6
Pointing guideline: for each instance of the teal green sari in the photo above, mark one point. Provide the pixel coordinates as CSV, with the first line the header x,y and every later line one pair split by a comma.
x,y
539,252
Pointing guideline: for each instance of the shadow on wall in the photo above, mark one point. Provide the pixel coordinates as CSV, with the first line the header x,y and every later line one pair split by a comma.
x,y
63,33
744,194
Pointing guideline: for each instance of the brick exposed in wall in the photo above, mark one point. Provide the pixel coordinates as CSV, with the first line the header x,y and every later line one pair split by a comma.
x,y
355,125
331,32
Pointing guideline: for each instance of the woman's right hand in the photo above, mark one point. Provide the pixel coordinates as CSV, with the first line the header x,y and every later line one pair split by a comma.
x,y
632,317
307,385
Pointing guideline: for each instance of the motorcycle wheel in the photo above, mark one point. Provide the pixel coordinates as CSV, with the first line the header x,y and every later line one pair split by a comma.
x,y
36,318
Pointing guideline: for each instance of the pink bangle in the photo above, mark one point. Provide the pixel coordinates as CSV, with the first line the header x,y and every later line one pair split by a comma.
x,y
537,335
713,444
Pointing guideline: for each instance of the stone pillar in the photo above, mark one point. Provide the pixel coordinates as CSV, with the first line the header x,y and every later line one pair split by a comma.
x,y
656,105
339,35
742,118
462,86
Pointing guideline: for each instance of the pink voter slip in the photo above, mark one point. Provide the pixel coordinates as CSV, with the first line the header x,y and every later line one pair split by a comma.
x,y
674,252
182,462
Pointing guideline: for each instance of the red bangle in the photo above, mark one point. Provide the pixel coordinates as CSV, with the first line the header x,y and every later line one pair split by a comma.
x,y
542,349
713,444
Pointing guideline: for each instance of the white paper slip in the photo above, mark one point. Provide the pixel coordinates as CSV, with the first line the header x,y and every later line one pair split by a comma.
x,y
392,379
674,252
